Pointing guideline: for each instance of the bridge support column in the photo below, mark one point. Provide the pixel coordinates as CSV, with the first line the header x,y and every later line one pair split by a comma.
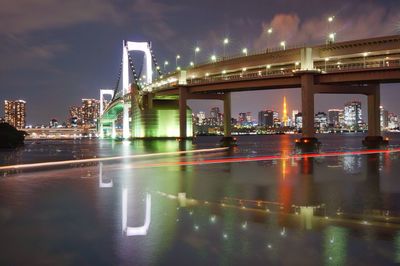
x,y
125,122
308,140
227,140
374,138
182,113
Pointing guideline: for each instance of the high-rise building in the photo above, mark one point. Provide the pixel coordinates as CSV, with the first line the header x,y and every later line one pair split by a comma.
x,y
201,117
242,119
90,111
249,117
294,113
335,117
321,121
384,118
393,121
75,115
15,113
298,120
352,115
266,118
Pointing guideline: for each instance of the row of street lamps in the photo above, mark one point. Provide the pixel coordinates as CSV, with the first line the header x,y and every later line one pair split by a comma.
x,y
331,39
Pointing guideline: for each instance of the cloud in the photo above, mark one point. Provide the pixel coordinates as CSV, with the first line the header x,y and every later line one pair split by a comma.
x,y
153,17
18,53
25,16
361,21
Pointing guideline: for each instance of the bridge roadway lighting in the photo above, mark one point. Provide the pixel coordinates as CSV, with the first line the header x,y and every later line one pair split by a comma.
x,y
165,64
331,18
326,61
332,37
196,50
214,58
244,51
191,64
176,60
225,43
283,44
365,57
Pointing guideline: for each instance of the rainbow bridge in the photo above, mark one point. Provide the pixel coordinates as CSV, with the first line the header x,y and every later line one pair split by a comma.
x,y
154,105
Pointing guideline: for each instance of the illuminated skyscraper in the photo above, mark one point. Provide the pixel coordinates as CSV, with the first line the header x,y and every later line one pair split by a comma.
x,y
15,113
90,111
384,114
266,118
285,119
352,115
335,117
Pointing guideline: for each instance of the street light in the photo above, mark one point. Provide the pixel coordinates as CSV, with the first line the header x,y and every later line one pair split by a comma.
x,y
191,64
225,43
269,31
331,18
196,50
176,60
365,57
283,44
332,37
244,51
213,58
165,64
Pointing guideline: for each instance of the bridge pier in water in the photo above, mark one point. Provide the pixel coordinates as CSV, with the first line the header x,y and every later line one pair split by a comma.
x,y
308,90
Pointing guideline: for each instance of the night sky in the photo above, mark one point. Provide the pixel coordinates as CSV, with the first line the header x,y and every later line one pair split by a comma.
x,y
55,52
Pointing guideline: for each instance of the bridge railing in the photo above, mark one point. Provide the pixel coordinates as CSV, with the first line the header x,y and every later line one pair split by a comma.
x,y
359,66
251,53
261,74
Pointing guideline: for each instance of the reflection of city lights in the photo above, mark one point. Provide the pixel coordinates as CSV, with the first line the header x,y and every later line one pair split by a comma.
x,y
213,219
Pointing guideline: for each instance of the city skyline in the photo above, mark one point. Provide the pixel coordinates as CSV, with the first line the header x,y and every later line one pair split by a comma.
x,y
66,67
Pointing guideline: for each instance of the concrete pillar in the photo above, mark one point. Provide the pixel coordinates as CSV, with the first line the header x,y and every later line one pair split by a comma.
x,y
227,115
307,105
125,122
374,125
306,62
113,130
182,112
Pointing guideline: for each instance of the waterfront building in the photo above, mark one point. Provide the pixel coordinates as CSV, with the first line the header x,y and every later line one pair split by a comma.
x,y
353,115
384,118
201,116
53,123
298,120
321,121
335,117
15,113
393,121
294,113
216,116
90,111
266,118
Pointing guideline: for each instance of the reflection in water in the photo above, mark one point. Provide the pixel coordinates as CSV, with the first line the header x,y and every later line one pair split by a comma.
x,y
140,230
270,210
103,184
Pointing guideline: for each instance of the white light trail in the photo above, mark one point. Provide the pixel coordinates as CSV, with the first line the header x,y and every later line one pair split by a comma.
x,y
67,162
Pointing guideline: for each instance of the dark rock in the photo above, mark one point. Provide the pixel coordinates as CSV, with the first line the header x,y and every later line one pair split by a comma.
x,y
10,137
